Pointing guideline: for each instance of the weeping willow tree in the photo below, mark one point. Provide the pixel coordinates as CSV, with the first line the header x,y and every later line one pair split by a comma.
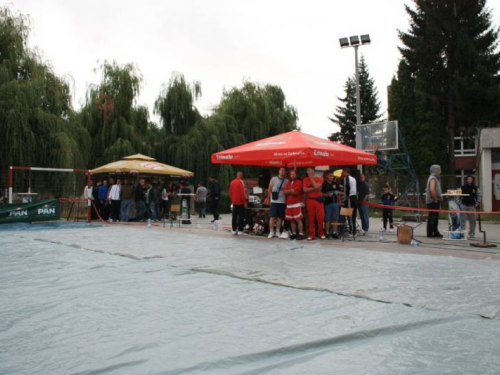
x,y
117,126
37,122
259,111
245,114
175,105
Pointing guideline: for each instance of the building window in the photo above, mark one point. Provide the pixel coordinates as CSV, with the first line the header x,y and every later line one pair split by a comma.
x,y
465,146
461,175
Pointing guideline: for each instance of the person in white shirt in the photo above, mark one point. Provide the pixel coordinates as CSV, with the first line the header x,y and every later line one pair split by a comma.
x,y
351,200
114,199
87,193
278,204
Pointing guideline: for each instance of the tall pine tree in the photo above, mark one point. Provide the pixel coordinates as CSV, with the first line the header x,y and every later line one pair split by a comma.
x,y
345,116
448,78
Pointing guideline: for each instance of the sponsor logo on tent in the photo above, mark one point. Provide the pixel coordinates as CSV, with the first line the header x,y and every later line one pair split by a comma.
x,y
225,157
153,166
275,162
263,144
327,144
321,153
365,158
289,153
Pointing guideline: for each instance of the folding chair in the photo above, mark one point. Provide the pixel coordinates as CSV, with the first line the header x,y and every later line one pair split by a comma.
x,y
175,209
347,213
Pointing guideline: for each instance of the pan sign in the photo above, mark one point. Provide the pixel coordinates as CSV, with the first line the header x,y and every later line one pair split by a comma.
x,y
47,210
18,213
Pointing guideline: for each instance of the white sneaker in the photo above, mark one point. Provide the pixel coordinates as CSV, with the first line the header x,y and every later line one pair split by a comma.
x,y
110,220
382,229
284,235
240,233
391,230
234,233
271,234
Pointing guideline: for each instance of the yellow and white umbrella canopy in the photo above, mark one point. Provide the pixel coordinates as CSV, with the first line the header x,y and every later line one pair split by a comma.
x,y
141,164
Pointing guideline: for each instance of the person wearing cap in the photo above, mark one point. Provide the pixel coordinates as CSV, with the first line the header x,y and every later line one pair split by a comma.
x,y
433,199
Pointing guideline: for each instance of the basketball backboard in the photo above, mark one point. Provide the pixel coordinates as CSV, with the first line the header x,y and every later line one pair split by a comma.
x,y
378,135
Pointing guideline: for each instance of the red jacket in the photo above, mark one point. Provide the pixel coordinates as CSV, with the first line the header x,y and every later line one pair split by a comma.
x,y
237,192
297,197
307,184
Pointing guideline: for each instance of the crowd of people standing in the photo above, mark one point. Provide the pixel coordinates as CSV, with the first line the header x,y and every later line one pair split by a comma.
x,y
113,199
295,204
320,198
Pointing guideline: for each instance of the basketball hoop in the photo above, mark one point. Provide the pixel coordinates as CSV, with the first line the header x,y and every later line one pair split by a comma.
x,y
378,136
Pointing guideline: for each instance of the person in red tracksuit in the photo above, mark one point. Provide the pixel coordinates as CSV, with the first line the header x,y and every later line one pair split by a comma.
x,y
239,198
294,203
314,203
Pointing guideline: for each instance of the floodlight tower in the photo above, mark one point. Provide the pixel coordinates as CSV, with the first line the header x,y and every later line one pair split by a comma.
x,y
356,41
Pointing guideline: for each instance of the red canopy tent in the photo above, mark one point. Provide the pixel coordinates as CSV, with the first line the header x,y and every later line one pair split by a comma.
x,y
293,149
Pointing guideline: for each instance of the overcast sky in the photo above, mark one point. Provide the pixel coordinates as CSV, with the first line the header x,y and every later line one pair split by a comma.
x,y
221,43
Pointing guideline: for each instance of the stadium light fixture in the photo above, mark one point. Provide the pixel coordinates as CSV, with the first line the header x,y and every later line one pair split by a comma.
x,y
344,42
356,41
365,39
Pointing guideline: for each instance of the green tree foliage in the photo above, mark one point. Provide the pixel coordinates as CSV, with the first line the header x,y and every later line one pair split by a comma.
x,y
38,126
345,116
245,114
117,126
448,78
175,105
259,111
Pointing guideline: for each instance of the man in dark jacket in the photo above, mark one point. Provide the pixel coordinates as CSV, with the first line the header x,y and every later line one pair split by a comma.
x,y
363,193
214,193
140,200
470,203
